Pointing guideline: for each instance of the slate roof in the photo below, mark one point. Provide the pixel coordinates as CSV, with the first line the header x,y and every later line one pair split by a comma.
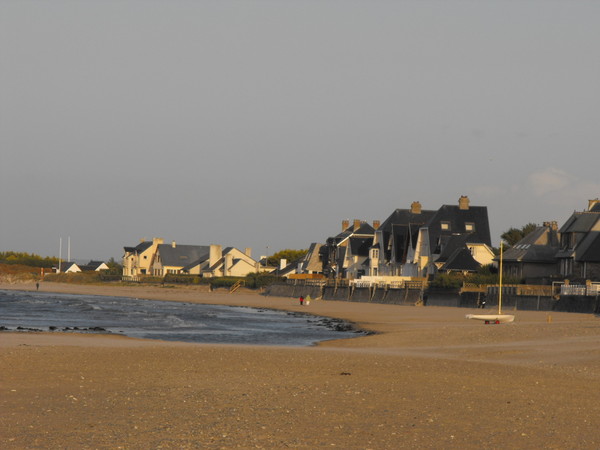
x,y
580,222
461,260
589,248
400,230
183,255
360,246
141,247
364,229
539,246
458,219
452,244
312,260
91,266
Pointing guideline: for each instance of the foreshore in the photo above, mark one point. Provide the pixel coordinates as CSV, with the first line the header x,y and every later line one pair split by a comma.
x,y
426,378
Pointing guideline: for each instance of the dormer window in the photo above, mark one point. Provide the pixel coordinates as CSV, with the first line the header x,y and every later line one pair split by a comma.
x,y
445,226
469,226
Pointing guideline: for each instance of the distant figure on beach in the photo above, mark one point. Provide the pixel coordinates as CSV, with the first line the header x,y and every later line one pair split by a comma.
x,y
37,286
301,300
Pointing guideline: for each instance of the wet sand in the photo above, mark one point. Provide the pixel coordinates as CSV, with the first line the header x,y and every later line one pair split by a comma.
x,y
428,378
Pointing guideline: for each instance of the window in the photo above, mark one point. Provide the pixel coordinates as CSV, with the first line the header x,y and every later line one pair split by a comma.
x,y
445,225
469,226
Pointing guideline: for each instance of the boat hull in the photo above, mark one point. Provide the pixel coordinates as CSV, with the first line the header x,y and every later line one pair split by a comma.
x,y
492,318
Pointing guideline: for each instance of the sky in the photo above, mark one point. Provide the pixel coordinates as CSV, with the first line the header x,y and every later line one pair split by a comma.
x,y
264,124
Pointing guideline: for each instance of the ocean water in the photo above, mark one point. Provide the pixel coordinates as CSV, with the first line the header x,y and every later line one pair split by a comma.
x,y
170,321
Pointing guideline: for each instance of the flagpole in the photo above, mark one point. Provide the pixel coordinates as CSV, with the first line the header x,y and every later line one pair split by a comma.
x,y
500,291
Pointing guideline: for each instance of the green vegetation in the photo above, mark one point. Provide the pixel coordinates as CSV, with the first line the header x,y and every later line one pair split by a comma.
x,y
514,235
251,281
288,254
75,278
485,275
27,259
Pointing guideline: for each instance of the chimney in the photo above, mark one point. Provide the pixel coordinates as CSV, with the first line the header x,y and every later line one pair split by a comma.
x,y
356,224
227,264
345,224
282,264
173,244
415,208
215,254
592,203
142,240
463,202
376,224
248,252
158,241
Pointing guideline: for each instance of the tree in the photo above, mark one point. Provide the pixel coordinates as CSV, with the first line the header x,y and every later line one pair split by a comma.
x,y
288,254
514,235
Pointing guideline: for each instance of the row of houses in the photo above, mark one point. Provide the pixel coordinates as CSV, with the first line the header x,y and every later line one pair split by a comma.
x,y
73,267
551,253
410,243
417,243
155,258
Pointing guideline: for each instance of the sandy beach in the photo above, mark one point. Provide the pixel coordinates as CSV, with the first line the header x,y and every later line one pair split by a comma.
x,y
428,378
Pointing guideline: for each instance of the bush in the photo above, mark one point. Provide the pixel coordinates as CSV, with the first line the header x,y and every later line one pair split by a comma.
x,y
76,278
259,280
447,281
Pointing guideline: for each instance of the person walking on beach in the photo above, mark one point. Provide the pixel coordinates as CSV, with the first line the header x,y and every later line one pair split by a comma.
x,y
301,300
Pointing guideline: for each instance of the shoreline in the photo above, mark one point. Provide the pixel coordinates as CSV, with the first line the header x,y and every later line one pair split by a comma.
x,y
427,378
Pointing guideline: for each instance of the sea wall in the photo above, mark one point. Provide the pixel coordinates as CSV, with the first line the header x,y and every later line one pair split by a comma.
x,y
432,297
578,303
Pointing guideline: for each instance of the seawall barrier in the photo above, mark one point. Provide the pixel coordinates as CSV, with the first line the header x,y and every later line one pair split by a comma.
x,y
403,296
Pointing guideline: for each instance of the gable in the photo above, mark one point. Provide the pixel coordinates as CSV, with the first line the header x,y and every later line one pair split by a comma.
x,y
461,260
451,220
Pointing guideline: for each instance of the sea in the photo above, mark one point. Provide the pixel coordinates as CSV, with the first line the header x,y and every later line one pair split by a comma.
x,y
168,321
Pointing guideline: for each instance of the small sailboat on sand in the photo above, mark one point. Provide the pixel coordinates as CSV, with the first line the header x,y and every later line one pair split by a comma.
x,y
495,318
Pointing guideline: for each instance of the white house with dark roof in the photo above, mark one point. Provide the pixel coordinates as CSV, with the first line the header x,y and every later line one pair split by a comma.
x,y
173,258
227,262
138,260
345,254
395,241
438,232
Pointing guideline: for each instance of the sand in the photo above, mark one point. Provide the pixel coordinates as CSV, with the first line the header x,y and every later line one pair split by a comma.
x,y
428,378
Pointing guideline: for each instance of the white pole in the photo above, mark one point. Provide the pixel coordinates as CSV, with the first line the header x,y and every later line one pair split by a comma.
x,y
69,249
500,293
59,252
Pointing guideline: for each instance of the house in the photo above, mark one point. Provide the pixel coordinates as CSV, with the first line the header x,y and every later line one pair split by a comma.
x,y
438,232
228,262
393,250
346,254
69,267
533,258
174,258
461,254
579,251
138,260
94,266
309,266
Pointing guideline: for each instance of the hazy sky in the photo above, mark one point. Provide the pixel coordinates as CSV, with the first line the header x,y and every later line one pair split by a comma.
x,y
265,123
